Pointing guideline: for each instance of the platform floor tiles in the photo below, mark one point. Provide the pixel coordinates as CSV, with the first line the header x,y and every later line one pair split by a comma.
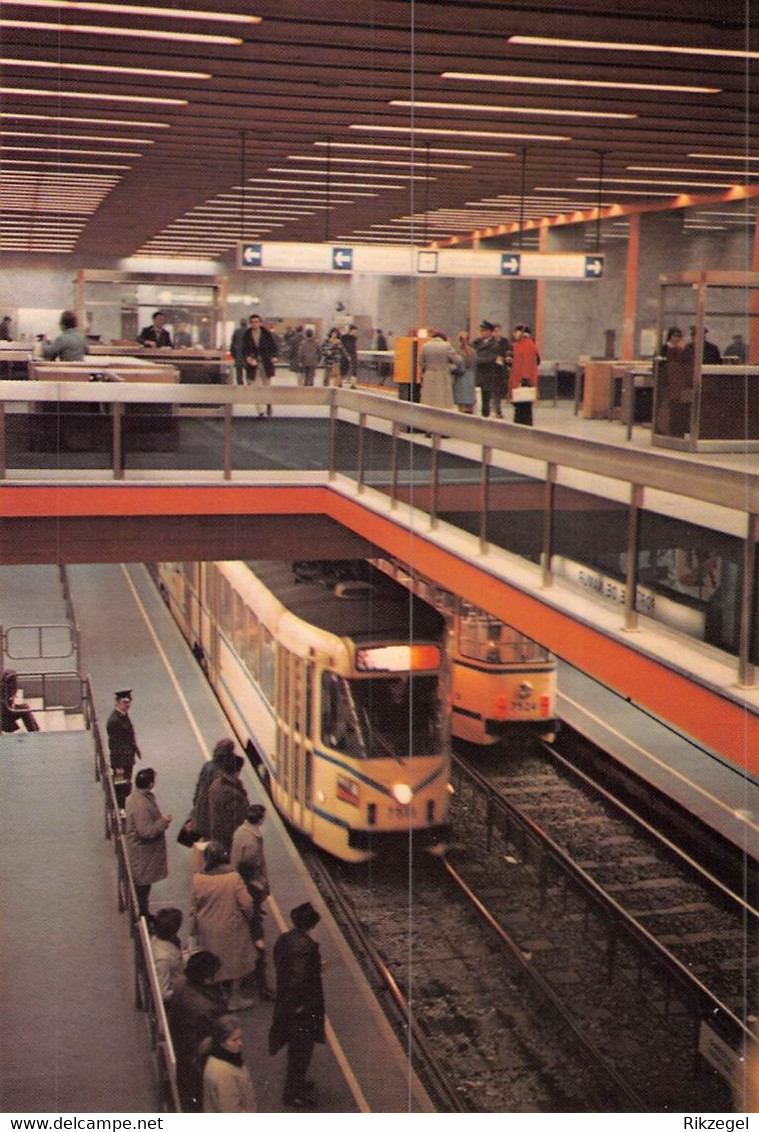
x,y
71,1039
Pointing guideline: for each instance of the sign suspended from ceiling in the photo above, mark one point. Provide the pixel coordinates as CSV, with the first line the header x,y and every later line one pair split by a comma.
x,y
392,259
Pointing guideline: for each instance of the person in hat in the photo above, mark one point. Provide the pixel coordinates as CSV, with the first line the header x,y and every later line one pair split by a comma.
x,y
228,801
122,745
489,370
298,1020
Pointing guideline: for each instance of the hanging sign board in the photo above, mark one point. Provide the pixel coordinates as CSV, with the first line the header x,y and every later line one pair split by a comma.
x,y
392,259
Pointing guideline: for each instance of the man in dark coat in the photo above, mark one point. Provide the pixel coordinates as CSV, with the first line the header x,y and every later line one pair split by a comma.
x,y
156,335
228,802
260,350
298,1021
122,746
196,1002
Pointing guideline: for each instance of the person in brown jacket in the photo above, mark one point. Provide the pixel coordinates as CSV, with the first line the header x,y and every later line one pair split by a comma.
x,y
221,910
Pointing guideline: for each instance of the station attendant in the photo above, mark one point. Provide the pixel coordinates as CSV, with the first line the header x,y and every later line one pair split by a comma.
x,y
122,745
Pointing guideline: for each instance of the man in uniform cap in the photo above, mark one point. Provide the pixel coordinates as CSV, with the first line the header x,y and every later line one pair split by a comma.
x,y
122,745
298,1020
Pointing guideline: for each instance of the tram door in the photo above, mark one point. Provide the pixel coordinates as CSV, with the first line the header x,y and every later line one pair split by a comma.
x,y
291,752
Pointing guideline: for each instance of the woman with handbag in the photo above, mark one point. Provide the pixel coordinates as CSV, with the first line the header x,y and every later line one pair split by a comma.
x,y
523,383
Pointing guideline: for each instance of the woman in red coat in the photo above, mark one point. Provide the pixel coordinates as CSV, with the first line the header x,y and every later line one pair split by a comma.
x,y
524,370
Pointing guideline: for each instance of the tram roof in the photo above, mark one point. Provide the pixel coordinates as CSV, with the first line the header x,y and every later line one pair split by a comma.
x,y
385,611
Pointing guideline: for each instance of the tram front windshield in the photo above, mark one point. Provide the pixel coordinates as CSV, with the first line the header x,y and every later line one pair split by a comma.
x,y
382,716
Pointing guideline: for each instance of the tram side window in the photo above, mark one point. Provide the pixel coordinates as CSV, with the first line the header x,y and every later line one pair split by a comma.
x,y
240,625
267,664
339,727
251,644
226,606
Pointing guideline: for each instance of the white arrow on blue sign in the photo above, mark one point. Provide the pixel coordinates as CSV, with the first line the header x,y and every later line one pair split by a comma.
x,y
252,255
594,266
342,259
510,264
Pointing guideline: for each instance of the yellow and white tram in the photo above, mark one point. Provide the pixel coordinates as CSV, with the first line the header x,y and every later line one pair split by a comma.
x,y
335,679
502,682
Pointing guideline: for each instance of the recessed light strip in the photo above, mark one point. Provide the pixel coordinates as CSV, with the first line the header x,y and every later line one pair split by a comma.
x,y
379,161
111,70
84,121
492,109
91,96
76,137
417,151
440,132
605,84
122,33
181,13
616,45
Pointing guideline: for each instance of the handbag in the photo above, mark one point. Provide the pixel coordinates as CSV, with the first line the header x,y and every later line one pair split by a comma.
x,y
187,834
524,393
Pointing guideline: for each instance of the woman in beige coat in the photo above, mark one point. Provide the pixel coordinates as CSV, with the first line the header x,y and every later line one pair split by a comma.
x,y
435,360
227,1086
220,914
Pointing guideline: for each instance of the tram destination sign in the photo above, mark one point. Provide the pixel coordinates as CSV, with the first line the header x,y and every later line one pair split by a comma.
x,y
394,259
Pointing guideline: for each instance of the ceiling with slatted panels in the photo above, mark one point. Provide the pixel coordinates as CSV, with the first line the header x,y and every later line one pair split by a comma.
x,y
132,129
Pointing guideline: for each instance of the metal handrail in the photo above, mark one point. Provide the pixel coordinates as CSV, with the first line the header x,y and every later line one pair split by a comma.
x,y
148,996
650,468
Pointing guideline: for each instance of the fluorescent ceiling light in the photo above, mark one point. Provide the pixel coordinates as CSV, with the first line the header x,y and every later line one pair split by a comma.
x,y
650,181
92,96
439,132
381,161
350,173
76,137
57,66
684,169
383,147
61,164
85,121
615,45
118,9
123,33
724,156
538,80
553,190
67,152
521,110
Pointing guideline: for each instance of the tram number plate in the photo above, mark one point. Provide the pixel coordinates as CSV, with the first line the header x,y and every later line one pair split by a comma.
x,y
401,812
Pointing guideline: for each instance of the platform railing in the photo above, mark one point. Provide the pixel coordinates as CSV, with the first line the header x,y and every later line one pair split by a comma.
x,y
630,476
148,996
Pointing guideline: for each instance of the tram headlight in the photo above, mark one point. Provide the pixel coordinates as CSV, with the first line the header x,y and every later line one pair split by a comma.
x,y
402,793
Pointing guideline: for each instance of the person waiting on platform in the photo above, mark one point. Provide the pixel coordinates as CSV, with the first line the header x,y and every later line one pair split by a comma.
x,y
196,1002
436,359
70,345
298,1021
237,351
334,358
12,709
222,909
145,838
167,950
248,858
228,802
227,1086
156,336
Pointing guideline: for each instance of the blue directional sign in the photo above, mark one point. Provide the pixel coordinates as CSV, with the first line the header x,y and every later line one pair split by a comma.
x,y
342,259
510,263
251,255
594,266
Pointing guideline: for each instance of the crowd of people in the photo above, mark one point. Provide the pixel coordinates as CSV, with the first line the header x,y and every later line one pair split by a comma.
x,y
501,367
221,970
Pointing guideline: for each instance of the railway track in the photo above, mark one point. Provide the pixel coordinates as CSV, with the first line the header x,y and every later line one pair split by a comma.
x,y
563,956
597,900
478,1036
